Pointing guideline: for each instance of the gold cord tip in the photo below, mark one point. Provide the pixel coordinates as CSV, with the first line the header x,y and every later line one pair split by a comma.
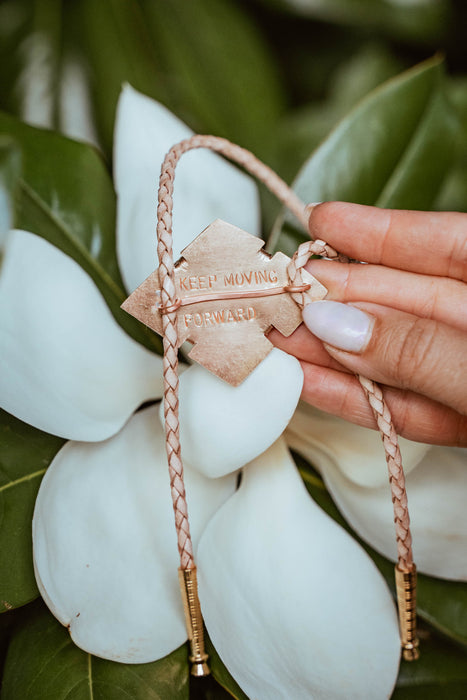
x,y
406,587
200,668
410,652
194,622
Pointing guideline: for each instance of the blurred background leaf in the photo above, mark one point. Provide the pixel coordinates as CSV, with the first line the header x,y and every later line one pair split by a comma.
x,y
224,78
394,149
113,40
29,51
414,20
304,128
206,61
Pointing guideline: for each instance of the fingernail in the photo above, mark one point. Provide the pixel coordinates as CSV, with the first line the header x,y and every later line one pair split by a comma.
x,y
310,206
343,326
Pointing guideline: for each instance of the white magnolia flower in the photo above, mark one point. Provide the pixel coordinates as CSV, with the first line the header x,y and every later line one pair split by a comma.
x,y
352,463
292,603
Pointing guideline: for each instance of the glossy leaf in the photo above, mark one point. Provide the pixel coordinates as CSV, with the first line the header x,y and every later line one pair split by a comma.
x,y
25,454
43,662
224,80
441,603
65,195
394,149
418,21
423,167
303,130
453,196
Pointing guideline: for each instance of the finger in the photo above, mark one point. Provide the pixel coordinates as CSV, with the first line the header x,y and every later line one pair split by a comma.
x,y
433,243
415,417
305,346
395,348
426,296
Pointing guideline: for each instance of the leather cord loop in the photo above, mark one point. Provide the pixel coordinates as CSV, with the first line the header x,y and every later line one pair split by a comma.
x,y
170,303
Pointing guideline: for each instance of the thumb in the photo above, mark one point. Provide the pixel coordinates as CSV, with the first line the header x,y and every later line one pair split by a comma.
x,y
394,348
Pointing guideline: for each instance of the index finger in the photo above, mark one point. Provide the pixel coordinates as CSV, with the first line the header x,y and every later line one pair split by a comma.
x,y
432,243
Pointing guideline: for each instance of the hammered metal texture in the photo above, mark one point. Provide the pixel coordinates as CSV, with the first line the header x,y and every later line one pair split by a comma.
x,y
228,335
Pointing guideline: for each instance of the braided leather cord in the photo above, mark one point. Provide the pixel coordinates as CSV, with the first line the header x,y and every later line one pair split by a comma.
x,y
168,297
170,340
380,410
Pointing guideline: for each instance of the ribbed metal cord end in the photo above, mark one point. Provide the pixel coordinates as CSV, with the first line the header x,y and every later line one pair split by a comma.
x,y
406,586
194,622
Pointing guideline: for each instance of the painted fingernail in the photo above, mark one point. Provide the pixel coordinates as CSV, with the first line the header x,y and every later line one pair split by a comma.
x,y
343,326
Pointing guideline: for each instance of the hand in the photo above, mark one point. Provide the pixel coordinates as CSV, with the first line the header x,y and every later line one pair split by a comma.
x,y
406,327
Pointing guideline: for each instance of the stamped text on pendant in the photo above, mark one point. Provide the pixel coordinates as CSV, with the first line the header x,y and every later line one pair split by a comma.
x,y
216,280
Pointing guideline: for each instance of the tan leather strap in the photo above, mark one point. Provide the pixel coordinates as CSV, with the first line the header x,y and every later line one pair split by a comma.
x,y
169,303
382,416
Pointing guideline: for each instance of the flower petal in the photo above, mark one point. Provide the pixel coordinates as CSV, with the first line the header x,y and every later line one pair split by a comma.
x,y
223,427
206,186
436,491
105,549
352,463
293,605
68,368
325,439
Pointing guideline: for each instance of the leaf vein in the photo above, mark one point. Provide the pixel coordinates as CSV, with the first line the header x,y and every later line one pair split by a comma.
x,y
22,479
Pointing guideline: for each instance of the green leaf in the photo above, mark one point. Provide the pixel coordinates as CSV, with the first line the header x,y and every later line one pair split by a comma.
x,y
444,605
304,129
453,196
222,675
115,42
457,93
10,167
441,672
441,603
25,454
428,158
205,61
65,195
223,77
394,149
43,664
